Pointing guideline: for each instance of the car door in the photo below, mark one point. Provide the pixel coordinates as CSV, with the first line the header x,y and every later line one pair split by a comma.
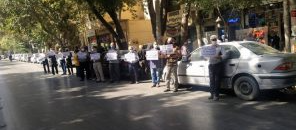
x,y
230,64
193,71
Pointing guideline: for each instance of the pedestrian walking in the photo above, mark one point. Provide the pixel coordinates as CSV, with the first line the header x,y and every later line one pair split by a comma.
x,y
155,67
97,65
112,57
83,64
133,59
215,67
172,66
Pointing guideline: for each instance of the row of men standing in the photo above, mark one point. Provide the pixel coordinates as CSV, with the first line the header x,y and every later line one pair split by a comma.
x,y
86,61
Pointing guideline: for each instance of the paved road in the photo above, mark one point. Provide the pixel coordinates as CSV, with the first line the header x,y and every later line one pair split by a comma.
x,y
34,101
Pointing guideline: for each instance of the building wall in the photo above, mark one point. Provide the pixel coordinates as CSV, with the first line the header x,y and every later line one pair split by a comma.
x,y
126,14
140,32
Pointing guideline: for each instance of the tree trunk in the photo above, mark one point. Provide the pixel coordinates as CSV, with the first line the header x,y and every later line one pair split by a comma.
x,y
152,17
198,24
287,25
122,42
106,24
293,24
158,21
164,7
184,27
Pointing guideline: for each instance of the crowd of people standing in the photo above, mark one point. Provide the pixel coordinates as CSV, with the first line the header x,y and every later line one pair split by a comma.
x,y
89,63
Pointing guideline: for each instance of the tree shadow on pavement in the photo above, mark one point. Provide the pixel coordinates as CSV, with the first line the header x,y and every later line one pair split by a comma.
x,y
45,102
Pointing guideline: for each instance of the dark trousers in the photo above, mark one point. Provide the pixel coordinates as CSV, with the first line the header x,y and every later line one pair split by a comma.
x,y
54,68
215,78
84,67
114,71
143,70
46,66
63,65
133,71
70,69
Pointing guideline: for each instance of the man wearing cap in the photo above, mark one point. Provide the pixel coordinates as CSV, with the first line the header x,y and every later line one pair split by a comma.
x,y
215,67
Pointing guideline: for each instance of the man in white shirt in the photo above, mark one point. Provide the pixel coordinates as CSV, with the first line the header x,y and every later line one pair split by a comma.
x,y
215,67
133,59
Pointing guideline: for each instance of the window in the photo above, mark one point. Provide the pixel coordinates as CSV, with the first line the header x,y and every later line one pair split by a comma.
x,y
231,51
195,56
260,49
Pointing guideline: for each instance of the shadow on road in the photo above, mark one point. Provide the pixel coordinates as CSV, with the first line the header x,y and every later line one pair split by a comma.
x,y
37,101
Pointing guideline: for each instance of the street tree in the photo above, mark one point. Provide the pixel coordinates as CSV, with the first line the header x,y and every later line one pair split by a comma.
x,y
158,10
100,8
224,8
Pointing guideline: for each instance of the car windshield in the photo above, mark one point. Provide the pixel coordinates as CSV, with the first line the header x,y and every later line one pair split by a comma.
x,y
260,49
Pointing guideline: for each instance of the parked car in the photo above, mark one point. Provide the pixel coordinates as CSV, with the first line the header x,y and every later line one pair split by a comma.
x,y
249,68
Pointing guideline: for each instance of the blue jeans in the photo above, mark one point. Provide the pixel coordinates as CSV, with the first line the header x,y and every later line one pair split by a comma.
x,y
155,75
63,65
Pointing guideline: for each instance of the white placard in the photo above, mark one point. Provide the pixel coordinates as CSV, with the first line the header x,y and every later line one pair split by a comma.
x,y
111,56
208,51
95,56
82,55
162,49
152,55
51,53
130,57
65,54
169,49
166,49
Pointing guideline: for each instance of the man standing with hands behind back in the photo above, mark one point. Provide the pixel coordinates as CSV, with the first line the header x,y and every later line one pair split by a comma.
x,y
215,67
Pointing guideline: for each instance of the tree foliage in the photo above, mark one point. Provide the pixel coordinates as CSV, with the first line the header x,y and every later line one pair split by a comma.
x,y
42,21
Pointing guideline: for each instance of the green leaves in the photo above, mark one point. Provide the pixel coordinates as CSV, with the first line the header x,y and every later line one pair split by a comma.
x,y
43,21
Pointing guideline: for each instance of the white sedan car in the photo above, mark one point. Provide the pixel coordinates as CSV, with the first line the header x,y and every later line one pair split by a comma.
x,y
249,68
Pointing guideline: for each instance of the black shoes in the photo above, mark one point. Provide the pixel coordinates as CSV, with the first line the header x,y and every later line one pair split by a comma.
x,y
176,90
154,85
214,98
167,90
211,97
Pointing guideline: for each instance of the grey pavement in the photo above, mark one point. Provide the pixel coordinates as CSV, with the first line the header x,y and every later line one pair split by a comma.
x,y
35,101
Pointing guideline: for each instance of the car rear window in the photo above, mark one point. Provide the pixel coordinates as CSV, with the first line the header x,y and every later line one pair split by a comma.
x,y
260,49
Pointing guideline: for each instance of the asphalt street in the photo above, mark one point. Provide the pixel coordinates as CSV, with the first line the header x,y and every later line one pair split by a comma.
x,y
33,100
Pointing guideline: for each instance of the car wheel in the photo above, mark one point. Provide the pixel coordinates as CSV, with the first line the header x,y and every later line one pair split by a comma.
x,y
246,88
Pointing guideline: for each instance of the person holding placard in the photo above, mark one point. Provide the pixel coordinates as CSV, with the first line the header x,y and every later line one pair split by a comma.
x,y
82,58
54,63
132,58
62,59
153,56
172,65
215,67
112,57
45,63
95,57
